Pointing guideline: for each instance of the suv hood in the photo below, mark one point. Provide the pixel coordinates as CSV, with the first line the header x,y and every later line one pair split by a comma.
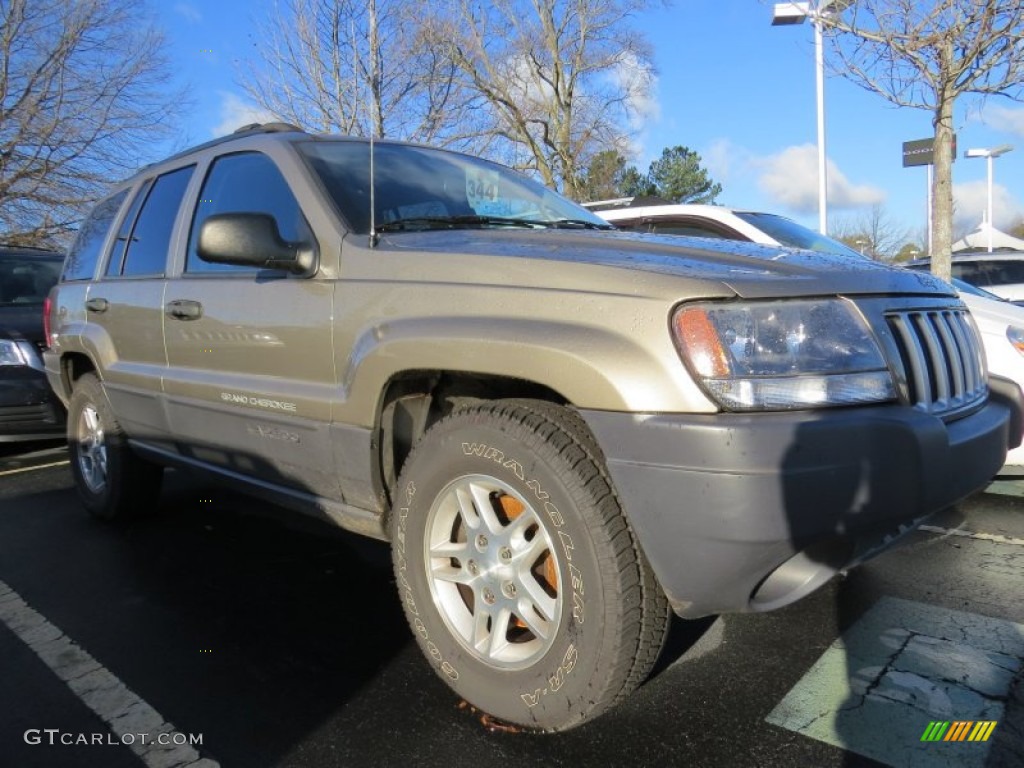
x,y
747,269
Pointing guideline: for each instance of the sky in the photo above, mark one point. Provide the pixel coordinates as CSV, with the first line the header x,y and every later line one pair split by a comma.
x,y
729,85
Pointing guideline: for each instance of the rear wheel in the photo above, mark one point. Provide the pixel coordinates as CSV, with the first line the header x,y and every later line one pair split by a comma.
x,y
112,481
517,570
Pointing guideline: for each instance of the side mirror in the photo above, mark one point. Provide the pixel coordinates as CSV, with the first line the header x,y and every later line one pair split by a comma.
x,y
252,240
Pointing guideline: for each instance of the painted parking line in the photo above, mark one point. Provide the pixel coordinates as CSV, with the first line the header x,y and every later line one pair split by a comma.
x,y
127,715
997,538
37,466
880,689
1007,487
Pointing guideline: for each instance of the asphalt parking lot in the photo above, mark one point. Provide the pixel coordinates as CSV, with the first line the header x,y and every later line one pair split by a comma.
x,y
277,643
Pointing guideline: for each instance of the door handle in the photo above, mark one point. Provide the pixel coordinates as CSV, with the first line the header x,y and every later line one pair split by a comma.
x,y
183,309
97,305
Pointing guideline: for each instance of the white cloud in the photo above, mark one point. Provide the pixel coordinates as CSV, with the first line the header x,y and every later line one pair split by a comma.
x,y
726,161
971,199
235,112
790,177
1004,118
640,85
190,12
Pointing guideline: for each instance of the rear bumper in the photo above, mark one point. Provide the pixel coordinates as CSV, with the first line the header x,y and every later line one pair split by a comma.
x,y
751,512
28,408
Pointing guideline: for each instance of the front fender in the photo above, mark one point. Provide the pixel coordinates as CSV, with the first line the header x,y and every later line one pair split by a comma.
x,y
591,367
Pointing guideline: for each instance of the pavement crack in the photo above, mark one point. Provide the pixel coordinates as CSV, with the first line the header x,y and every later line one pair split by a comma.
x,y
861,698
805,726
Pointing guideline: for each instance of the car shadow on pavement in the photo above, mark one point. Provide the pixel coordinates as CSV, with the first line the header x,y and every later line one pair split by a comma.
x,y
233,618
25,450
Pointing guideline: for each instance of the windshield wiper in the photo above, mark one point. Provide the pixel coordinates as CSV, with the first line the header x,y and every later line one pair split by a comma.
x,y
576,224
415,223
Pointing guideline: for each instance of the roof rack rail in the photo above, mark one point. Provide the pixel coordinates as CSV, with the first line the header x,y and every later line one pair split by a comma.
x,y
250,128
639,201
275,127
22,247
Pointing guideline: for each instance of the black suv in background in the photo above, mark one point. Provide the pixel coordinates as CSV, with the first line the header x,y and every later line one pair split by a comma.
x,y
28,408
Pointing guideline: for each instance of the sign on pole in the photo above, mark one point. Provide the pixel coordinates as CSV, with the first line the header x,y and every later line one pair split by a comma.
x,y
922,152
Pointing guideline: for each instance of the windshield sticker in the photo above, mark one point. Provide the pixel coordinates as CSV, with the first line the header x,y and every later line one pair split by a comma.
x,y
482,192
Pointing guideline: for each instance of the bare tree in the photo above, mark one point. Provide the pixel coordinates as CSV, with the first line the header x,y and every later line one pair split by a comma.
x,y
559,81
874,233
356,67
926,55
82,95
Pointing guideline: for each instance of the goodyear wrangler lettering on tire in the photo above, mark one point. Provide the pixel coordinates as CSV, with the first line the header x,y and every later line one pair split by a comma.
x,y
409,601
556,680
512,539
486,452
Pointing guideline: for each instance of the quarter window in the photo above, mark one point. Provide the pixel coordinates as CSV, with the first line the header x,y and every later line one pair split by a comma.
x,y
245,182
124,234
81,261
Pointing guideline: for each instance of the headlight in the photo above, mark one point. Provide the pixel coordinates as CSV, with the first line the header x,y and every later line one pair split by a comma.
x,y
782,355
17,353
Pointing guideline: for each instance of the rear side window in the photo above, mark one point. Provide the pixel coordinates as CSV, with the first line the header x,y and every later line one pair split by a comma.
x,y
146,253
996,272
693,229
246,182
630,225
971,272
81,261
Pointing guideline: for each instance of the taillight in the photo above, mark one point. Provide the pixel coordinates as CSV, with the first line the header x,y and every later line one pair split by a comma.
x,y
47,306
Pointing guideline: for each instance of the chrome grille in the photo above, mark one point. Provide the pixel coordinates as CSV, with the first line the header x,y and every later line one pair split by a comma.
x,y
942,358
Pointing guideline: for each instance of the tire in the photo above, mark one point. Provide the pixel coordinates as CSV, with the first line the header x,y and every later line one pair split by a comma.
x,y
113,482
517,570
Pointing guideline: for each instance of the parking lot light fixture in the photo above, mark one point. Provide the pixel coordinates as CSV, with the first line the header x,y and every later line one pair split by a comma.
x,y
786,14
989,154
790,13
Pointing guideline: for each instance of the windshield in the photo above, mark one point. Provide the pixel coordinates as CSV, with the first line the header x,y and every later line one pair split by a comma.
x,y
418,188
27,279
794,235
965,287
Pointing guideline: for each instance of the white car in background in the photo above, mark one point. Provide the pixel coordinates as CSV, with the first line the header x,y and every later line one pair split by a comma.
x,y
1000,322
1000,272
715,221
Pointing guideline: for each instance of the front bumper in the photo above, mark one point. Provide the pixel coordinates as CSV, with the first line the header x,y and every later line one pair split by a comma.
x,y
752,512
29,410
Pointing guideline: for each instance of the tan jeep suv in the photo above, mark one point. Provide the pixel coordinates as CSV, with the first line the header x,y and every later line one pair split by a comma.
x,y
564,431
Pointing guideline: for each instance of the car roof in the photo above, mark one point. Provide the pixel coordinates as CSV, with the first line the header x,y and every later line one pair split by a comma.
x,y
668,209
252,129
269,132
30,252
729,217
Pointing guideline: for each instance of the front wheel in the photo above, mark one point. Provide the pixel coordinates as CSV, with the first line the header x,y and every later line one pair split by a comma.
x,y
113,482
517,570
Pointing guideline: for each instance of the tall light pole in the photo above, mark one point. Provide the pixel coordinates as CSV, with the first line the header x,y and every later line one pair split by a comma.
x,y
785,14
989,154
